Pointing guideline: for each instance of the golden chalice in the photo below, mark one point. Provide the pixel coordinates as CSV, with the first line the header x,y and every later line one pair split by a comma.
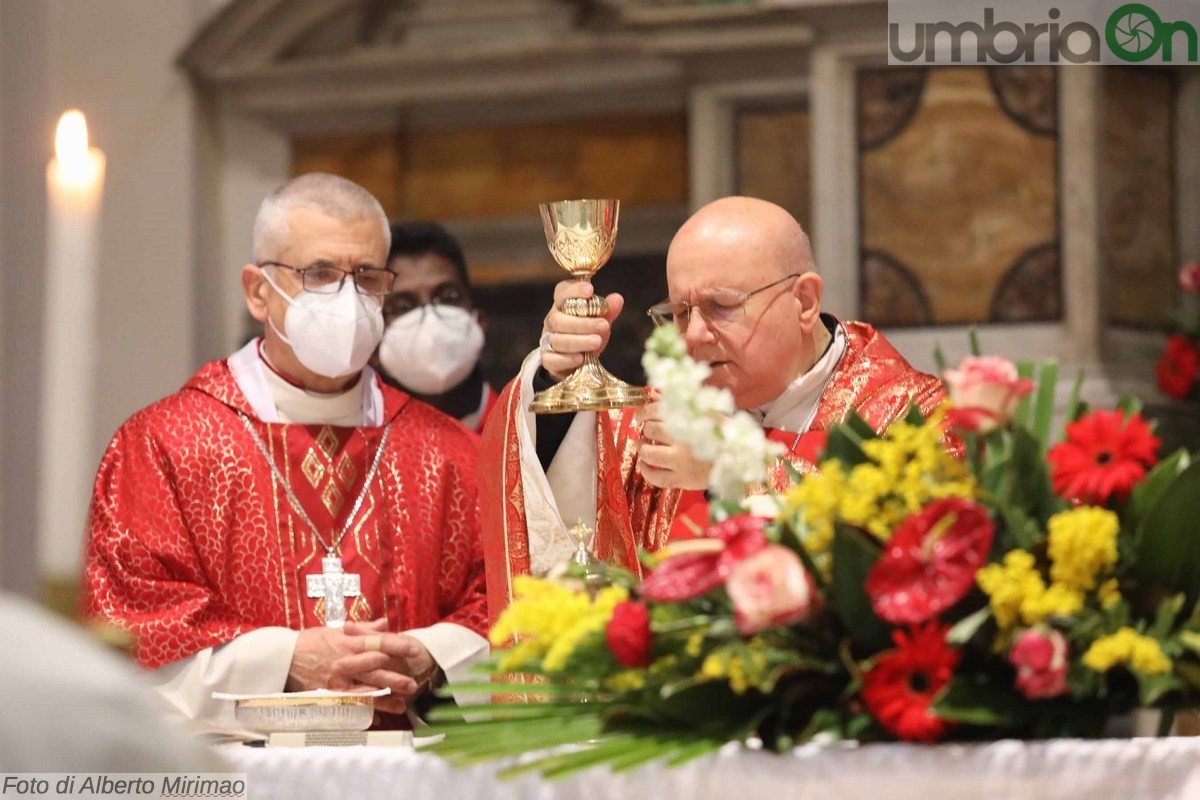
x,y
581,235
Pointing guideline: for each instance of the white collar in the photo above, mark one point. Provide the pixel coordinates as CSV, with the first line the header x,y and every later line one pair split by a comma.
x,y
250,375
794,409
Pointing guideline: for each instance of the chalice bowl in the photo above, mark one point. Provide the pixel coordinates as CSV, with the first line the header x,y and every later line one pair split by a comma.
x,y
581,235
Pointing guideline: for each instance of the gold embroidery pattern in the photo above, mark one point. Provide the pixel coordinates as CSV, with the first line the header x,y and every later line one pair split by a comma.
x,y
312,468
324,472
333,498
327,441
345,470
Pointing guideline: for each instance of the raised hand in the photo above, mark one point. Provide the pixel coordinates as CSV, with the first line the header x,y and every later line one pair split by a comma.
x,y
566,338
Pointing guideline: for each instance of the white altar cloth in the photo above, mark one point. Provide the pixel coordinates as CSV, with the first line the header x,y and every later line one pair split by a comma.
x,y
1120,769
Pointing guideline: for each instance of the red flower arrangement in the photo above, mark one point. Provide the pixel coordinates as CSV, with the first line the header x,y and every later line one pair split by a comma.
x,y
1178,370
930,562
1104,455
900,687
1178,367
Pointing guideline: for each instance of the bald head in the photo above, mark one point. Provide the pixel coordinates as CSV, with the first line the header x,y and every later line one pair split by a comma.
x,y
753,257
749,225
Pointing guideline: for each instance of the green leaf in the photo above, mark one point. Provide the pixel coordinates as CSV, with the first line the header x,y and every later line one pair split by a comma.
x,y
1043,414
1152,688
973,334
1076,409
1028,481
1168,539
1147,493
845,445
966,628
977,700
914,416
790,538
554,767
939,359
854,553
1021,415
486,740
1189,672
1190,640
695,750
1130,404
1164,618
1022,531
861,428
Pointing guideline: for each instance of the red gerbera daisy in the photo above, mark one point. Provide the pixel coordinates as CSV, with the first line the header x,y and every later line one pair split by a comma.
x,y
1178,367
930,562
899,689
1103,456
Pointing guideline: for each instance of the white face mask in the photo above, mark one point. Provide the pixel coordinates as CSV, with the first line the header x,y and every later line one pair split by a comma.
x,y
331,334
431,349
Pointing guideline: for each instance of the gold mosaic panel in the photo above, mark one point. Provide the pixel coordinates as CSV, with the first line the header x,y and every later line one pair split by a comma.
x,y
1138,180
507,170
959,193
774,159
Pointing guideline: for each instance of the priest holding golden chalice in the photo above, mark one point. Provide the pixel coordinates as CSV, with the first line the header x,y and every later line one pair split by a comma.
x,y
745,294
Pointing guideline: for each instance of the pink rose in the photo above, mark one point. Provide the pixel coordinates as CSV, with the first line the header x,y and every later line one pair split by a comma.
x,y
1040,656
1189,278
984,392
771,588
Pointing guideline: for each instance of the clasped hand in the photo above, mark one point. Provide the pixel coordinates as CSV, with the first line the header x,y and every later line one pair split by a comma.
x,y
664,462
566,338
338,659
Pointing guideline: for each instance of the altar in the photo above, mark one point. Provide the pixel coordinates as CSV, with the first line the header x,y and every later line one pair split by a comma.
x,y
1066,769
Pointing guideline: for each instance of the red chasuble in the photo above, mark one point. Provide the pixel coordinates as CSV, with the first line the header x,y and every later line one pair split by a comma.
x,y
193,540
872,379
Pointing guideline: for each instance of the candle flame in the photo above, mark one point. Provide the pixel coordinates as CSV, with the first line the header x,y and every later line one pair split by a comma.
x,y
76,163
71,140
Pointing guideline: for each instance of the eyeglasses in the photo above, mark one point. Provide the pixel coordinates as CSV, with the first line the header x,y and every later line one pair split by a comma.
x,y
722,307
328,279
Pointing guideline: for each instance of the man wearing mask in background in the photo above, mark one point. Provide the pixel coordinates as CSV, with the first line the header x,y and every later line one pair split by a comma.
x,y
434,334
286,521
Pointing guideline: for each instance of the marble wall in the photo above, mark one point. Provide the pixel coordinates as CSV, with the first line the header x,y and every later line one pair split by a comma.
x,y
958,195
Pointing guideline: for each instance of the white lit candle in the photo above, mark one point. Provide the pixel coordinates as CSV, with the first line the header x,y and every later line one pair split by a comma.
x,y
74,186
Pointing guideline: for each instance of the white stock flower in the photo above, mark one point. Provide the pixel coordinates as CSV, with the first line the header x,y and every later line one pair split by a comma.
x,y
744,456
705,419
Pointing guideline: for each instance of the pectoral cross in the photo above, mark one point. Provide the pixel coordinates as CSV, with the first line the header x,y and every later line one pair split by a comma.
x,y
335,586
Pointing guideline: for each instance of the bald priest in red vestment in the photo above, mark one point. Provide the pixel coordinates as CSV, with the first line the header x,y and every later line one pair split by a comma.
x,y
745,295
286,521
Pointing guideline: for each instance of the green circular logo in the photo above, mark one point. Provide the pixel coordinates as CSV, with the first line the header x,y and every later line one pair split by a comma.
x,y
1134,32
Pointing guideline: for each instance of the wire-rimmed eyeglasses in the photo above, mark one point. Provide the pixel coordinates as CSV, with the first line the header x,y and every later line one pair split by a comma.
x,y
721,307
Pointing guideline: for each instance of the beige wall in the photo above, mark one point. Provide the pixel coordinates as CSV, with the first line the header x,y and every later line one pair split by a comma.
x,y
114,60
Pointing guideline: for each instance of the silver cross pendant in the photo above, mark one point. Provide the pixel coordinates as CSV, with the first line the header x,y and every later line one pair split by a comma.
x,y
334,585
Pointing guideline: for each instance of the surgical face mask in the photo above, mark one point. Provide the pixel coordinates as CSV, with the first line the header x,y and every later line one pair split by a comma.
x,y
331,334
432,349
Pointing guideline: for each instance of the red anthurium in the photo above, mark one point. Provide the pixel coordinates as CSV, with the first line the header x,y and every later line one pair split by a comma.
x,y
1104,455
930,562
903,683
691,574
